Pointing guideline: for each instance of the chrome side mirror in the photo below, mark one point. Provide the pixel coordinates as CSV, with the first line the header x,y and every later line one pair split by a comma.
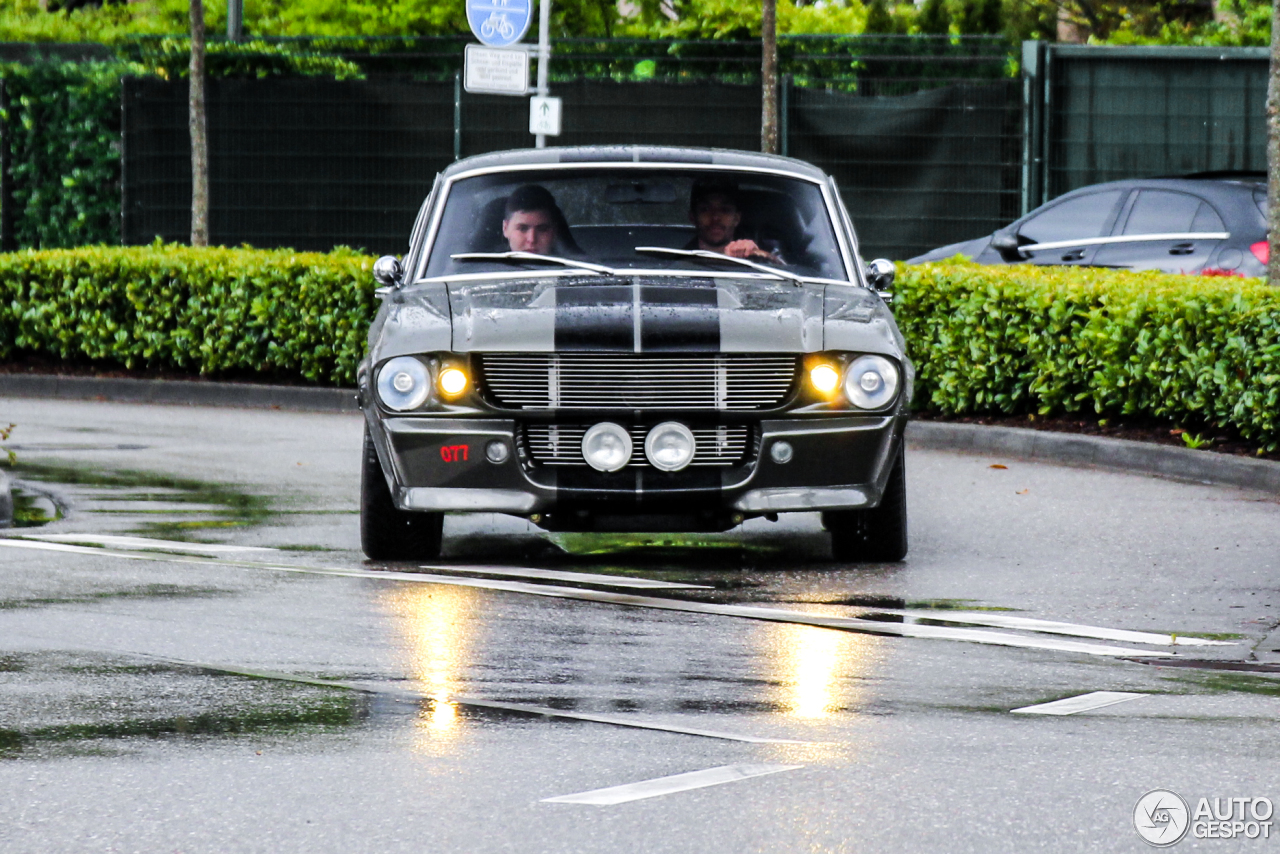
x,y
881,273
387,271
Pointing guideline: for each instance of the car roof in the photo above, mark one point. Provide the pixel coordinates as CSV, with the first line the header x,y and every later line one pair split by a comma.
x,y
1206,186
606,154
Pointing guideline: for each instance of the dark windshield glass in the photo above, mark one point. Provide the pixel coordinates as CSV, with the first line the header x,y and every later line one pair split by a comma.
x,y
602,215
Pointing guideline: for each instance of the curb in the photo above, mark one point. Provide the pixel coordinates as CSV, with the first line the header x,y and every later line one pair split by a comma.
x,y
1016,442
179,392
1118,454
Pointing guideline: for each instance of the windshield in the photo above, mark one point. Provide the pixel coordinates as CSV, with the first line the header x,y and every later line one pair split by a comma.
x,y
601,216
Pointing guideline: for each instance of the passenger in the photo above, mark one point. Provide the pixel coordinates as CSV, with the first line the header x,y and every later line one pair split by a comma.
x,y
532,222
715,214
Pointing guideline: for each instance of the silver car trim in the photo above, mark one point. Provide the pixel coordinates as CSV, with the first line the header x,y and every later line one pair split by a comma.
x,y
468,500
842,239
1128,238
787,499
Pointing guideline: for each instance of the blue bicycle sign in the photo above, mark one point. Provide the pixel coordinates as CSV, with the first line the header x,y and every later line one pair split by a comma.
x,y
499,23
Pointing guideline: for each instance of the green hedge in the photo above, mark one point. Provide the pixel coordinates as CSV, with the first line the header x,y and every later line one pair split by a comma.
x,y
279,313
1187,349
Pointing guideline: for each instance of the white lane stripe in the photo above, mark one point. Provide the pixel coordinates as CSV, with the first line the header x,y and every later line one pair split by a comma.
x,y
474,702
558,575
1083,703
147,544
669,785
619,720
1002,621
745,611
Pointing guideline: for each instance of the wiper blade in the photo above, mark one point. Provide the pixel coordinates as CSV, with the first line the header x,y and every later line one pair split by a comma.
x,y
533,256
716,256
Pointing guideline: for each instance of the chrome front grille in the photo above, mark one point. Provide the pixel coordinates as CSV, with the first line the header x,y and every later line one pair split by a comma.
x,y
694,381
561,444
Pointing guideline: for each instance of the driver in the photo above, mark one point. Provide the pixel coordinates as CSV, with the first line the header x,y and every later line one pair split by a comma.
x,y
715,214
532,221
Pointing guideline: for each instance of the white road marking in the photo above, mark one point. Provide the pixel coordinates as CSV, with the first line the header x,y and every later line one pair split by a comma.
x,y
1002,621
1083,703
669,785
628,599
148,544
558,575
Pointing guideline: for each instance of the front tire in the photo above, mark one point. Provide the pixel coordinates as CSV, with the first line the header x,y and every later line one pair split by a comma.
x,y
876,534
386,531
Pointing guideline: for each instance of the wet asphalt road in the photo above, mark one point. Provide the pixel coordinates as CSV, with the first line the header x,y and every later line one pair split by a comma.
x,y
144,705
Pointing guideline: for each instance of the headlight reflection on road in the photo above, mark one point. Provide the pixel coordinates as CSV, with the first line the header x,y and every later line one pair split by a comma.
x,y
821,668
437,624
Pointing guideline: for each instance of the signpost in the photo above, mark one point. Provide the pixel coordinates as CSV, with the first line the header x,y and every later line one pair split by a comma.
x,y
495,71
500,24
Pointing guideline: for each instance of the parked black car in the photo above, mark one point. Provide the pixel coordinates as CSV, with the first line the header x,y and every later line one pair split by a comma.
x,y
1179,225
634,339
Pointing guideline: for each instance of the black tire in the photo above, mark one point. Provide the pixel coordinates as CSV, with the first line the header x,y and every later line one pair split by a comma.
x,y
387,532
877,534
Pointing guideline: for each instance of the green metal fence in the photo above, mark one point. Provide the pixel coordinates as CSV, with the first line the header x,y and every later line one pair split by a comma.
x,y
1107,113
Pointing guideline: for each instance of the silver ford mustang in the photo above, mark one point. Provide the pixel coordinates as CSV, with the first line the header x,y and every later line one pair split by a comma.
x,y
634,339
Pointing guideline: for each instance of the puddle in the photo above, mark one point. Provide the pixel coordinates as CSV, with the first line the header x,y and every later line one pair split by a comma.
x,y
65,702
143,503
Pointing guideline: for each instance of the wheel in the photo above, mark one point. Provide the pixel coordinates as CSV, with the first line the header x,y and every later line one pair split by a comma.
x,y
876,534
386,532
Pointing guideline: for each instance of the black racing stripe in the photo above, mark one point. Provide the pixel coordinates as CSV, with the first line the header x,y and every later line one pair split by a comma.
x,y
595,317
683,318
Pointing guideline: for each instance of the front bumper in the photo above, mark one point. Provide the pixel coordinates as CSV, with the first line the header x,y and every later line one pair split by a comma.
x,y
441,465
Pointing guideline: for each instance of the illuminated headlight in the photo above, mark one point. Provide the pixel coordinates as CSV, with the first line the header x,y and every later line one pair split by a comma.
x,y
669,446
453,382
825,378
871,382
403,384
606,447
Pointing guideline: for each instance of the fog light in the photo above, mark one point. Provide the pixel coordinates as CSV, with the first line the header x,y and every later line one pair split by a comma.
x,y
453,381
403,384
824,378
871,382
781,452
669,446
497,451
606,447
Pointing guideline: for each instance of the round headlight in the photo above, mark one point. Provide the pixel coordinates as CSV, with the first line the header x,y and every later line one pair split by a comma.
x,y
669,446
824,378
606,447
871,382
453,382
403,384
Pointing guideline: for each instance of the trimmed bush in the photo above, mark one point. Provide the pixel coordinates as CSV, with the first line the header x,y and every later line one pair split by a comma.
x,y
1187,349
278,313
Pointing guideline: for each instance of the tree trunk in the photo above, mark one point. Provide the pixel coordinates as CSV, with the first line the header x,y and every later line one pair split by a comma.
x,y
199,131
1273,151
769,76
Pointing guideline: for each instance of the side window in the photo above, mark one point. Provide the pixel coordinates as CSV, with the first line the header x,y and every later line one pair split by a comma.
x,y
1163,212
1074,219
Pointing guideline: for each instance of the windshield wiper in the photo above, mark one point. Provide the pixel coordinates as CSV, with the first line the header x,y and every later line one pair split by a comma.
x,y
716,256
533,256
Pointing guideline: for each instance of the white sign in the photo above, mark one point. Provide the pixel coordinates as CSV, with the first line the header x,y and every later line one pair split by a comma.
x,y
497,72
544,116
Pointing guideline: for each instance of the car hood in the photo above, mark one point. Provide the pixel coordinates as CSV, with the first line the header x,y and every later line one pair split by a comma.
x,y
631,314
967,248
636,315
